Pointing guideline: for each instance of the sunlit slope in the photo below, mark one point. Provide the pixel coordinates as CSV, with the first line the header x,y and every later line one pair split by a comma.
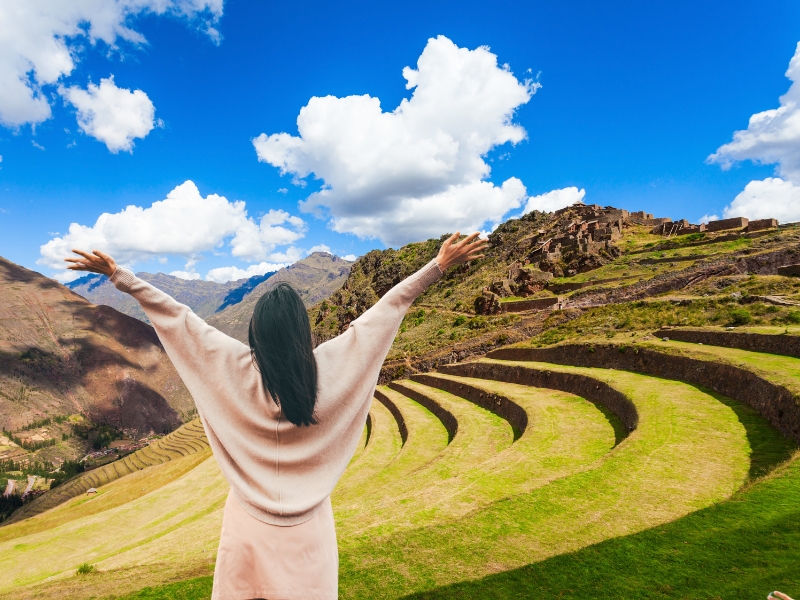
x,y
422,513
184,441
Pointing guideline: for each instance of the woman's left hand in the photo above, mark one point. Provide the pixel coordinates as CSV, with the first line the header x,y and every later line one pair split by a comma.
x,y
96,262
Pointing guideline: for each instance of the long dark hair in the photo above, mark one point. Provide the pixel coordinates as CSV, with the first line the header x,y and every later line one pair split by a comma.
x,y
283,352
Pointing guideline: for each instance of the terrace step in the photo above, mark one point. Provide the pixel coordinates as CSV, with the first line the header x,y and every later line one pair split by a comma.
x,y
768,383
683,435
187,439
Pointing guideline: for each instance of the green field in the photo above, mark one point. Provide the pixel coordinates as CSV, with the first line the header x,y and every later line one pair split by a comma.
x,y
699,501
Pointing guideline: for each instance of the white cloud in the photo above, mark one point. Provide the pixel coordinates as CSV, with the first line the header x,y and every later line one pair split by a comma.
x,y
319,248
350,257
225,274
771,137
112,115
554,200
41,41
184,224
419,170
708,218
772,198
186,274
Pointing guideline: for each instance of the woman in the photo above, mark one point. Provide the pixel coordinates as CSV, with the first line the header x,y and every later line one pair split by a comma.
x,y
282,418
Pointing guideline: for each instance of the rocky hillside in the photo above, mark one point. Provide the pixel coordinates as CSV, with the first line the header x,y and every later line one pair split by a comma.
x,y
65,361
543,270
315,277
204,297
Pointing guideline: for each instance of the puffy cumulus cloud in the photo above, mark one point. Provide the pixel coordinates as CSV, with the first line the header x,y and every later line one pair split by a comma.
x,y
184,224
40,42
350,257
419,170
112,115
772,197
224,274
771,137
554,200
319,248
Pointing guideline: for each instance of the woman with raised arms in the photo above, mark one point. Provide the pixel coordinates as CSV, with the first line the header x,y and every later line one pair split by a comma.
x,y
283,419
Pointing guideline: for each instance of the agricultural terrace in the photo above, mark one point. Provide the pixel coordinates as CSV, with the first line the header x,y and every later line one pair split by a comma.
x,y
501,477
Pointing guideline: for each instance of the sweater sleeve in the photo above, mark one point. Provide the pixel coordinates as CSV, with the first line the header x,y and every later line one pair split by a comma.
x,y
369,338
198,350
384,318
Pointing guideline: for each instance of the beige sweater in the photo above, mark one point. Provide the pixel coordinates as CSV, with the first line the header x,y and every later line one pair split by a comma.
x,y
279,473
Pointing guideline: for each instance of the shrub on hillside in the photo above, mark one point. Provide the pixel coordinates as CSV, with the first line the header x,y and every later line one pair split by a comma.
x,y
793,316
85,569
740,316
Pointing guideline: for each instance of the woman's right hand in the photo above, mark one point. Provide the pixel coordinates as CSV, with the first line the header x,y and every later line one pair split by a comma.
x,y
96,262
454,252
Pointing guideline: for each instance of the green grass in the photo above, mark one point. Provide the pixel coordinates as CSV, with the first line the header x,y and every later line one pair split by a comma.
x,y
738,550
191,589
781,370
643,317
418,516
684,436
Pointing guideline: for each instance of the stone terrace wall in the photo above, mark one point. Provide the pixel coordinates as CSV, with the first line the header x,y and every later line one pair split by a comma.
x,y
735,223
499,405
398,416
787,345
584,386
775,403
447,418
535,304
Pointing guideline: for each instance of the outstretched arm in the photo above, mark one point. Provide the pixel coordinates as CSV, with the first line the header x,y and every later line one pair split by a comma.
x,y
454,252
380,323
96,262
198,351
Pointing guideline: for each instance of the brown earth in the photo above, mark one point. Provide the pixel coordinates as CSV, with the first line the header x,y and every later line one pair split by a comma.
x,y
62,355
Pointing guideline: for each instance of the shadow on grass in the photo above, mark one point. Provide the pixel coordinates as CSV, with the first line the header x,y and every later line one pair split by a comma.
x,y
740,549
768,447
620,431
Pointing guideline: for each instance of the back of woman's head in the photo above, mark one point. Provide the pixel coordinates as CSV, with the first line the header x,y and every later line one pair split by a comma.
x,y
283,352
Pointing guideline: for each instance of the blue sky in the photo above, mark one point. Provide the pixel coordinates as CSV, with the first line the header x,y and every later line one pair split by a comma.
x,y
634,97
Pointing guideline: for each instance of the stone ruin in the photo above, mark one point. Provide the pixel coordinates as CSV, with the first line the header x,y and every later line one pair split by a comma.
x,y
583,240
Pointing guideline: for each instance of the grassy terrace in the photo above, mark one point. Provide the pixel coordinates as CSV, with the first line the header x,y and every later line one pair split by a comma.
x,y
572,508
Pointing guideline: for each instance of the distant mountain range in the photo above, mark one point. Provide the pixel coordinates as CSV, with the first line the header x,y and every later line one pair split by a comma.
x,y
314,278
226,306
93,356
203,297
62,355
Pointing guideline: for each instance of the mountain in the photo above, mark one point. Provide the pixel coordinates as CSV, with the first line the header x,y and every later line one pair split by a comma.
x,y
203,297
61,355
314,278
546,269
